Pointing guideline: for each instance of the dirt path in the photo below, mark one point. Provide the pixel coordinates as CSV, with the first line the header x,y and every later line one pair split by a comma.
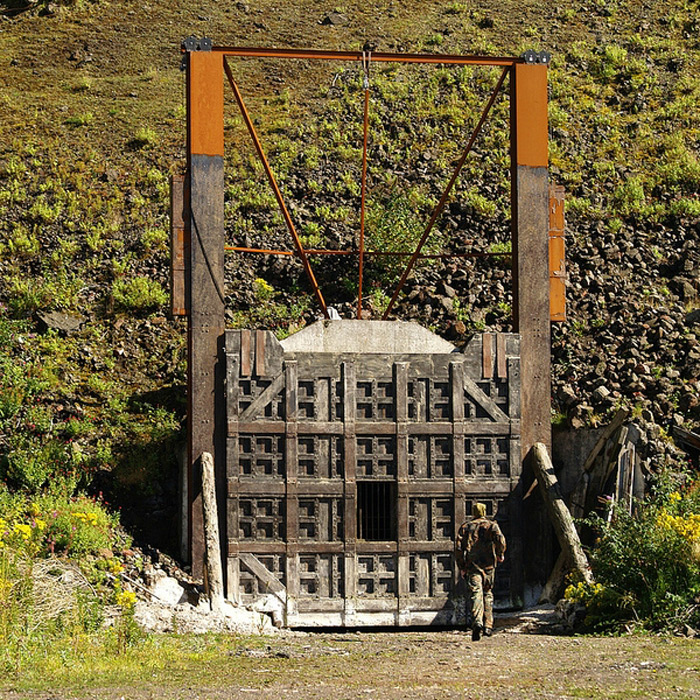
x,y
420,664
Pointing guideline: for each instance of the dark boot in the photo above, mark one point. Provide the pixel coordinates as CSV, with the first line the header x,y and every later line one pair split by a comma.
x,y
488,632
476,633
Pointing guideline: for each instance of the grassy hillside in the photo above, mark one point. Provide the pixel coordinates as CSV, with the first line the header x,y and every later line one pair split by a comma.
x,y
93,125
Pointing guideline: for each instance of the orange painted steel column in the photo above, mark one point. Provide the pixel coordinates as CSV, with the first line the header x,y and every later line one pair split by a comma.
x,y
530,221
205,103
205,293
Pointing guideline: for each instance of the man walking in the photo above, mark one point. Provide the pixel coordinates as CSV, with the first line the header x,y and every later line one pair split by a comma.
x,y
480,546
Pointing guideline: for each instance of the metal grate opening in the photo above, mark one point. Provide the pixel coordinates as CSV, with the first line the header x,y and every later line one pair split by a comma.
x,y
376,510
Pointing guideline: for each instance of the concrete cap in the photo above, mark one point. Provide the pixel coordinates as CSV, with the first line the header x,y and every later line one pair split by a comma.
x,y
362,337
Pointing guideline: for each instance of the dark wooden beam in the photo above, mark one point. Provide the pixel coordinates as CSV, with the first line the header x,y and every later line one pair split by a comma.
x,y
205,197
530,222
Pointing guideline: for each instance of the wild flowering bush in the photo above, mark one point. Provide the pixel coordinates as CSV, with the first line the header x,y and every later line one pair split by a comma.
x,y
43,532
647,565
48,524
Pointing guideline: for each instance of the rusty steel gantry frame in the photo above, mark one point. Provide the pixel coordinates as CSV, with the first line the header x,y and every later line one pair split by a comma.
x,y
198,258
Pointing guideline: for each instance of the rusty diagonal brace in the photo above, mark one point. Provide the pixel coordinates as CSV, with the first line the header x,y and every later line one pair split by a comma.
x,y
446,193
364,57
276,189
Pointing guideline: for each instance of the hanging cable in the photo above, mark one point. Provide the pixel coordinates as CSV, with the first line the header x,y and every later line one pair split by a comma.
x,y
366,58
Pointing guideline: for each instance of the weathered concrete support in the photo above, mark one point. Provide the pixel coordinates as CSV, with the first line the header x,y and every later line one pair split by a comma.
x,y
205,195
212,542
558,512
530,222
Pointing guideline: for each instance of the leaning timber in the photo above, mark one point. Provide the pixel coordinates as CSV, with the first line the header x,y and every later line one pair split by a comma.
x,y
558,512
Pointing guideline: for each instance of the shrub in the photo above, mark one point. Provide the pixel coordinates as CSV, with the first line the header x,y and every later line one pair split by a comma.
x,y
145,136
48,604
651,560
31,464
395,224
80,119
284,319
630,197
262,290
48,523
51,291
138,294
604,605
502,252
154,239
480,204
82,527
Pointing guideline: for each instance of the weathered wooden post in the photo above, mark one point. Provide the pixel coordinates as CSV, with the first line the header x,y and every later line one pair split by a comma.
x,y
530,222
531,306
204,203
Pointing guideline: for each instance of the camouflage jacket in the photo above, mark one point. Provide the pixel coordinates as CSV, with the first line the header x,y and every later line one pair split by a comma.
x,y
480,543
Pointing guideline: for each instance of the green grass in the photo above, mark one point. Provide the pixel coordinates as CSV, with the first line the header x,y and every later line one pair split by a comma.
x,y
164,666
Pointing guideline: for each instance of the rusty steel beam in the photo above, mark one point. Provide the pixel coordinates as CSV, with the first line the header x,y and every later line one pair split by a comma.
x,y
263,251
383,57
388,253
557,255
530,224
276,189
179,247
446,193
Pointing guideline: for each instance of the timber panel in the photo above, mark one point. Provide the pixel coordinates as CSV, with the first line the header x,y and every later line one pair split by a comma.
x,y
349,475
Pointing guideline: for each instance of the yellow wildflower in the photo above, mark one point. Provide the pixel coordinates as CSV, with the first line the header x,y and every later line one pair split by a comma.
x,y
87,518
126,599
688,527
115,566
23,529
39,524
583,592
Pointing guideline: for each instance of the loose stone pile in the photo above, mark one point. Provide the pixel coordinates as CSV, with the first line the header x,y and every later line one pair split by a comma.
x,y
633,310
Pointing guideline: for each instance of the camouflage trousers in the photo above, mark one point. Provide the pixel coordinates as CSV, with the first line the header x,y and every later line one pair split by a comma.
x,y
480,583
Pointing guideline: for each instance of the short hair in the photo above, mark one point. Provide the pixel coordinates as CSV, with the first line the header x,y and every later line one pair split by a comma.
x,y
479,510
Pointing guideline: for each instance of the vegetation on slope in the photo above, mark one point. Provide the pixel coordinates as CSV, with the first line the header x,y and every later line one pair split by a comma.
x,y
93,125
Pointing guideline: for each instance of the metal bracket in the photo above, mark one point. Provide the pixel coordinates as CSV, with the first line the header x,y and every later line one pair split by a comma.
x,y
192,43
532,56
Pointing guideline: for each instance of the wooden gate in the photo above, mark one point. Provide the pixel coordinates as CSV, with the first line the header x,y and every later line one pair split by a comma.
x,y
353,459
